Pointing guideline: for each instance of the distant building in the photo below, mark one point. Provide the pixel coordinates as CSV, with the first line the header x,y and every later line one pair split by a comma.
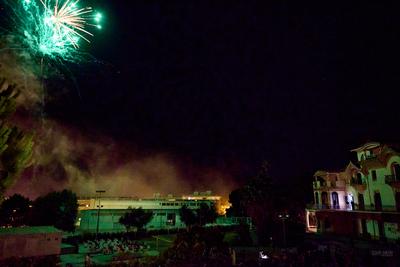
x,y
165,210
26,242
361,200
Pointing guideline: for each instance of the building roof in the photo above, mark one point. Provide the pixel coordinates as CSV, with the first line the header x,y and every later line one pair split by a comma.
x,y
26,230
366,146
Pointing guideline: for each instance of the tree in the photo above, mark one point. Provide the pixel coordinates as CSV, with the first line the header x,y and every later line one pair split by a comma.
x,y
206,214
263,201
256,199
188,216
58,209
135,218
198,246
15,146
14,210
203,215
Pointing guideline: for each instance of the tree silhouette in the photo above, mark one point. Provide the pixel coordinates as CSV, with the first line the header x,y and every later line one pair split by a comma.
x,y
15,210
15,146
206,214
199,246
135,218
203,215
58,209
188,216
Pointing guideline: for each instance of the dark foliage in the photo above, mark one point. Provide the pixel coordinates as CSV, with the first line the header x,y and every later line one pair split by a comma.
x,y
58,209
201,216
136,218
206,214
48,261
188,216
15,145
15,210
263,201
198,246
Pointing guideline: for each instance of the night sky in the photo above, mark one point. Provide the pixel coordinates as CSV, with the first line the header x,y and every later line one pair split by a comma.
x,y
228,84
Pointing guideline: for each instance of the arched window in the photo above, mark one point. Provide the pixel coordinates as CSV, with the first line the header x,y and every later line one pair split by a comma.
x,y
396,171
316,198
324,199
335,200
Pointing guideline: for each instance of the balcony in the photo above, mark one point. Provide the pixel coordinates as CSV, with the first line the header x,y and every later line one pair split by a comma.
x,y
392,180
370,156
329,184
349,207
358,184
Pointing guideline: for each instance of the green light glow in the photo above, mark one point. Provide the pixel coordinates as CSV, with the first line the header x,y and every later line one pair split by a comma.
x,y
54,28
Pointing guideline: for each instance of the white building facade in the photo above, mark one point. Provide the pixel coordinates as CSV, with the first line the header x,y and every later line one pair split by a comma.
x,y
363,199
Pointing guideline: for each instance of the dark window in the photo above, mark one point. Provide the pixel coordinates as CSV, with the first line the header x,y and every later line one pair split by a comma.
x,y
324,198
373,175
397,197
335,200
378,201
396,171
359,178
361,205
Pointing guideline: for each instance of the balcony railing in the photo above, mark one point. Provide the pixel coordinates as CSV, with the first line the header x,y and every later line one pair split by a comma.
x,y
370,156
329,184
357,181
349,207
389,179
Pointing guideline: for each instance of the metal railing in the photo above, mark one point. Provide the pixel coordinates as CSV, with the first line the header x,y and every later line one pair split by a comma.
x,y
357,181
350,207
329,184
391,179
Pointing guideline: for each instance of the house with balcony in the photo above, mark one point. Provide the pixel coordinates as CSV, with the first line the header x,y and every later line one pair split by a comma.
x,y
363,199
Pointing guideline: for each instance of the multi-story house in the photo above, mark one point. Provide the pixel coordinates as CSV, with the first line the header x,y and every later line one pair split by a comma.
x,y
361,200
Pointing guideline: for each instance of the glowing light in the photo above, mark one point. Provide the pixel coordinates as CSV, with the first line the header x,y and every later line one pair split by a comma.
x,y
53,28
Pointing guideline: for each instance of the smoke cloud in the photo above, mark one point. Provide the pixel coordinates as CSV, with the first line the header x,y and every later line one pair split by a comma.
x,y
84,161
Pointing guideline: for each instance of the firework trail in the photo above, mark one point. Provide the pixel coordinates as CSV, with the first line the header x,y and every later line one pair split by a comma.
x,y
52,29
46,34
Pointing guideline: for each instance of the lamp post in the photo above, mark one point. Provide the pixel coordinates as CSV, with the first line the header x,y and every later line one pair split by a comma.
x,y
283,217
98,211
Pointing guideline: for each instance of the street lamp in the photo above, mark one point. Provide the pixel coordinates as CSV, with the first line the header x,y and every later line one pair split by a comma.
x,y
98,211
283,217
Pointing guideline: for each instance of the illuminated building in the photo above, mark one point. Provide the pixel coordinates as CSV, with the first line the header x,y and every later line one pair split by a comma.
x,y
165,210
361,200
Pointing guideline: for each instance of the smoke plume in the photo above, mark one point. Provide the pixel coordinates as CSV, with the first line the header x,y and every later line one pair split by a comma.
x,y
84,161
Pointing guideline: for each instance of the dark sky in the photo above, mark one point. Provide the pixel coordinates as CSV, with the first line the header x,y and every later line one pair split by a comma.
x,y
227,84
